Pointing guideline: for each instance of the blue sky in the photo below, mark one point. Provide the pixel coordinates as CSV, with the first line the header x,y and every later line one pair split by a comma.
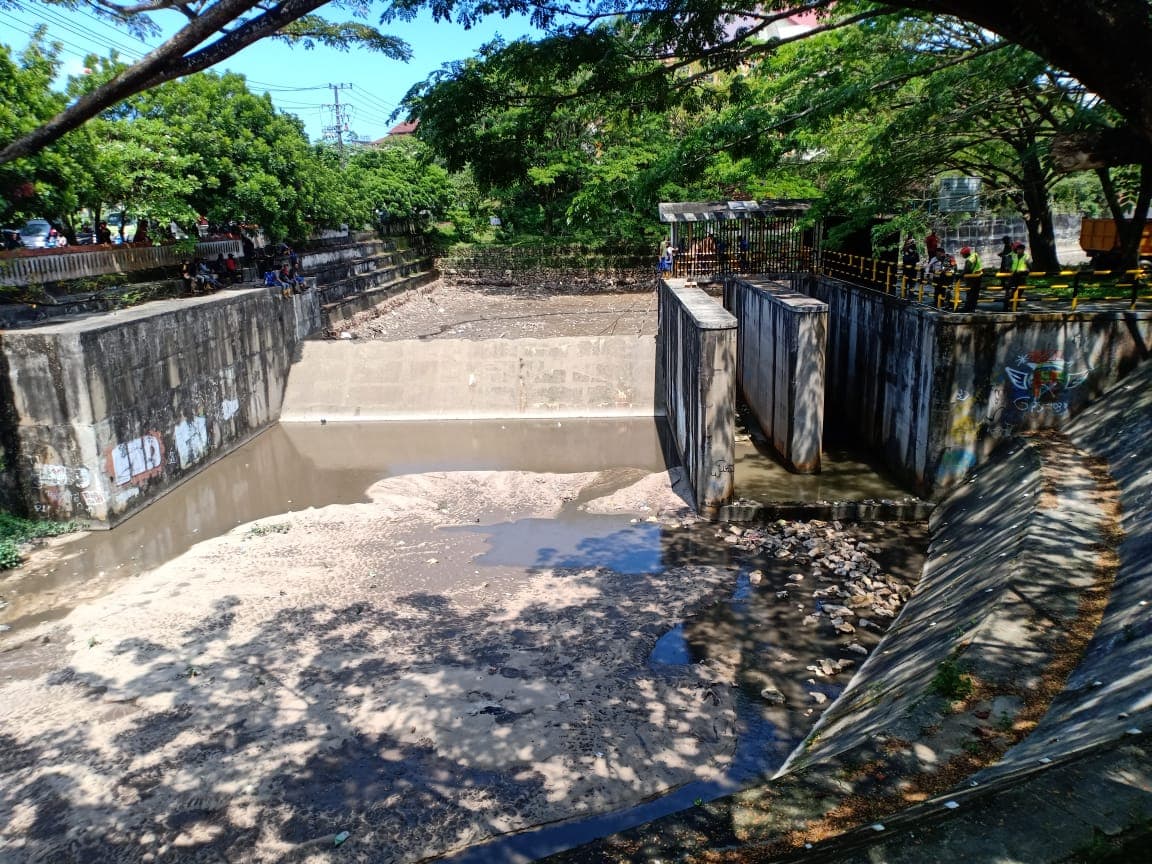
x,y
297,79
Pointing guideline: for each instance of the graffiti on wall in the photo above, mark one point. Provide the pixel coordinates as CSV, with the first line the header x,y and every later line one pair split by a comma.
x,y
137,460
191,439
1042,381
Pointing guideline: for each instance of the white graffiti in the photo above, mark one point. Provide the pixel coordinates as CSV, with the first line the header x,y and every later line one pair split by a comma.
x,y
139,458
52,475
94,499
191,440
962,395
229,408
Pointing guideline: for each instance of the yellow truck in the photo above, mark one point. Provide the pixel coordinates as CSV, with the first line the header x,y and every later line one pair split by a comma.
x,y
1098,239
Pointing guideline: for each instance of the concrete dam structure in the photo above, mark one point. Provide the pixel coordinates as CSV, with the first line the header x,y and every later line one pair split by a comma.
x,y
1037,574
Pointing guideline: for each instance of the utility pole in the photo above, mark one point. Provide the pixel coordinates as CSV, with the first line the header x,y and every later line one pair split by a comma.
x,y
340,118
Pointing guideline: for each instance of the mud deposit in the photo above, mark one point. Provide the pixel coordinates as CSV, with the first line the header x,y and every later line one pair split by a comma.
x,y
403,678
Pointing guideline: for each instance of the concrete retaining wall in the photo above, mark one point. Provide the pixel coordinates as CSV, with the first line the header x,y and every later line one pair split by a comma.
x,y
697,362
581,376
936,392
107,412
780,365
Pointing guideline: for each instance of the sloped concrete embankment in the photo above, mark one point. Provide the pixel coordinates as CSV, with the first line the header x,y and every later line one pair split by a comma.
x,y
579,376
1005,715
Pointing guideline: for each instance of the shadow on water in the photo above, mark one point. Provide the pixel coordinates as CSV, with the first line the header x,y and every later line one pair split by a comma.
x,y
749,628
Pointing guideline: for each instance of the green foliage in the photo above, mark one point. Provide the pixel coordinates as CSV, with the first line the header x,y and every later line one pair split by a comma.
x,y
10,556
15,530
951,682
259,530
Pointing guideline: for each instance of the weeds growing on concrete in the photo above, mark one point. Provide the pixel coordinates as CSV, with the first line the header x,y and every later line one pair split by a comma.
x,y
951,682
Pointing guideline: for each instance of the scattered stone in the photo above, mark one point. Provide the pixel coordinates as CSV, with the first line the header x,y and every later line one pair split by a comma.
x,y
756,577
772,696
827,667
810,619
781,595
857,648
795,577
818,697
845,627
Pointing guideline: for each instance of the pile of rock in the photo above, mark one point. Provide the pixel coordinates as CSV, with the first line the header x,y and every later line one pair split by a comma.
x,y
847,586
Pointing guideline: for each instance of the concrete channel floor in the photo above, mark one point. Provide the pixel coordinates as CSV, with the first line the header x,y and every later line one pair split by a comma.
x,y
1092,783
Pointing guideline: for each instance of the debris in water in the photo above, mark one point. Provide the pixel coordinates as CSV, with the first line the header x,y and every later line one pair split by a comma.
x,y
341,837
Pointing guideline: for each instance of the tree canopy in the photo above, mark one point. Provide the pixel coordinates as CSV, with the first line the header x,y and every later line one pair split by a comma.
x,y
1102,44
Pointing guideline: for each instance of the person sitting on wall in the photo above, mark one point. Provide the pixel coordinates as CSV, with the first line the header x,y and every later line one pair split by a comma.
x,y
286,280
232,269
207,280
188,276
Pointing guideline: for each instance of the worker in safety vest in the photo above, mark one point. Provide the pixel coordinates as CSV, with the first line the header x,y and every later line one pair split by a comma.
x,y
1018,270
973,271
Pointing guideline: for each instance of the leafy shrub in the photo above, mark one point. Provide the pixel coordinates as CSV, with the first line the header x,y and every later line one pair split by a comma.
x,y
15,530
9,555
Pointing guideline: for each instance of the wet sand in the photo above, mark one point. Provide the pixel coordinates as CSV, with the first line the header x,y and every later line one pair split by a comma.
x,y
410,670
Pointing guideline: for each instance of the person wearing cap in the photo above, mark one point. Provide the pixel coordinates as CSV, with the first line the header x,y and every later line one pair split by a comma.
x,y
973,271
1017,274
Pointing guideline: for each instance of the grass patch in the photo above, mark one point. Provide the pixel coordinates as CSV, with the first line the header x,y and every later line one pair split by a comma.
x,y
951,682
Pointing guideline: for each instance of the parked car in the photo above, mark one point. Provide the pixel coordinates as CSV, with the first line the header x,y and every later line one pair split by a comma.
x,y
114,226
34,234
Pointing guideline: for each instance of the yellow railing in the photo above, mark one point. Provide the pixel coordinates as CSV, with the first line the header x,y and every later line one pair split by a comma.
x,y
1063,286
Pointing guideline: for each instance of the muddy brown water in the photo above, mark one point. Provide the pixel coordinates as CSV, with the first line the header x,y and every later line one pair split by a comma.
x,y
295,466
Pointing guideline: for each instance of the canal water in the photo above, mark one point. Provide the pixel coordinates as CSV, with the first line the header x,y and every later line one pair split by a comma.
x,y
295,466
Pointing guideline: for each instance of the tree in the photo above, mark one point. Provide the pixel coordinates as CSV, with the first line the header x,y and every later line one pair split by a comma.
x,y
50,183
397,182
911,99
1102,44
215,30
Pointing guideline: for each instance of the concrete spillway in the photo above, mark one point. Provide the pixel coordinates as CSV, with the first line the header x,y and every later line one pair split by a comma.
x,y
578,376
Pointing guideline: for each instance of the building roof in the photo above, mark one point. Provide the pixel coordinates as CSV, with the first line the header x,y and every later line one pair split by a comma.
x,y
714,211
408,127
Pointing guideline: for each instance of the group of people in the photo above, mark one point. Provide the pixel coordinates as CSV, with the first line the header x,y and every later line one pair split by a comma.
x,y
942,269
200,276
288,278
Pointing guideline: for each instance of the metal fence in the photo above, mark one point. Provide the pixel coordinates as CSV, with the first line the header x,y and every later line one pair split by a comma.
x,y
84,263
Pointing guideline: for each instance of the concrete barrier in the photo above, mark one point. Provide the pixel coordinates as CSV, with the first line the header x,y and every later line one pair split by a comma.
x,y
107,412
782,338
580,376
935,393
697,363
